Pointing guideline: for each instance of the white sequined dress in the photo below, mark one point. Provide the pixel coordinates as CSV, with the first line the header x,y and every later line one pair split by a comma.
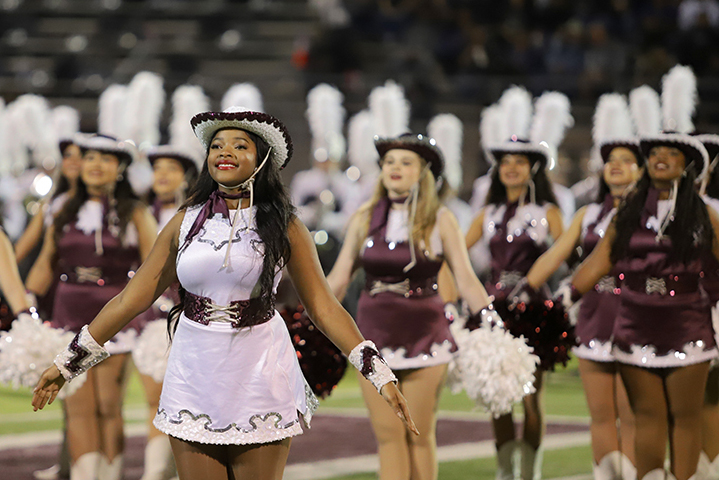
x,y
226,385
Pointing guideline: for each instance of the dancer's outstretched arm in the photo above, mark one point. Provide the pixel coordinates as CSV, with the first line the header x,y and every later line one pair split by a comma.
x,y
455,251
326,312
155,275
346,264
550,261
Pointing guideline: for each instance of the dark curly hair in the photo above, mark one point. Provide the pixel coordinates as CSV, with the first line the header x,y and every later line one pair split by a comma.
x,y
274,214
690,232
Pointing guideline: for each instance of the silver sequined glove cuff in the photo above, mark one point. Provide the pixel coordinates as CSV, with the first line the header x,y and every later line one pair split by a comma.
x,y
366,358
81,354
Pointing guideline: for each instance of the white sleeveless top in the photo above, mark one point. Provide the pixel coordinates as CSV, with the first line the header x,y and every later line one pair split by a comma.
x,y
199,264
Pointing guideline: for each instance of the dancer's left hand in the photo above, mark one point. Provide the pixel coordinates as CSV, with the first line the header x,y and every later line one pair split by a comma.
x,y
396,400
47,388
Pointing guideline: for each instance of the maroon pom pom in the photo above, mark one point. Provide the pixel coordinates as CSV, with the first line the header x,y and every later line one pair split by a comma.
x,y
322,363
546,327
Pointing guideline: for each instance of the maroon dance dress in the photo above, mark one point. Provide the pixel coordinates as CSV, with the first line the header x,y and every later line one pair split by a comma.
x,y
517,236
599,306
402,312
88,280
664,316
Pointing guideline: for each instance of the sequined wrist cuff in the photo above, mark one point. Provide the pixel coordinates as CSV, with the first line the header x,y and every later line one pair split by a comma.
x,y
82,353
370,363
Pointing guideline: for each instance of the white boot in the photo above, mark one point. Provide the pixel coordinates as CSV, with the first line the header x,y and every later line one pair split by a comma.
x,y
86,467
658,474
615,466
628,470
531,461
505,461
159,464
110,470
608,467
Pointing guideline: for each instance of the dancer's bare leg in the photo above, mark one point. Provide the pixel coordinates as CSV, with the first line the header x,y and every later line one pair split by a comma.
x,y
259,462
152,396
685,391
533,413
198,460
422,388
111,380
390,433
645,390
601,388
710,416
82,424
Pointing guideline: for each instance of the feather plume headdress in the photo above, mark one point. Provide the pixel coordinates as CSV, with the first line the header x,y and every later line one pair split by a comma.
x,y
447,131
613,127
390,110
360,146
246,95
326,117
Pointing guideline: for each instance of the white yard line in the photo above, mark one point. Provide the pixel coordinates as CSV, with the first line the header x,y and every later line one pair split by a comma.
x,y
463,451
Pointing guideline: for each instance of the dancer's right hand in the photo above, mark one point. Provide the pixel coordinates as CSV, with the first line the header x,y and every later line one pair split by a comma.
x,y
396,400
47,388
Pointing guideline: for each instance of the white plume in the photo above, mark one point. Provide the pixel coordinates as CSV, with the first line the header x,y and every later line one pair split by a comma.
x,y
187,101
447,130
491,127
612,120
679,99
390,110
111,119
516,104
146,99
326,117
66,121
17,151
361,151
646,110
243,95
36,128
552,118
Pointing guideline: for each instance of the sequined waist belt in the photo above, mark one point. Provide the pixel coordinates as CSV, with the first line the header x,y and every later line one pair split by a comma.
x,y
202,310
407,287
607,284
665,285
95,275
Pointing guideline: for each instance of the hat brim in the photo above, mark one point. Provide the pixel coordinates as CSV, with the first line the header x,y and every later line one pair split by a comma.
x,y
711,143
606,147
267,127
692,148
535,153
191,163
125,150
430,153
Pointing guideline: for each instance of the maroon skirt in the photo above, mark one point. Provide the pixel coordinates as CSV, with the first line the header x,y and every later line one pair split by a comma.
x,y
660,331
413,332
595,324
77,304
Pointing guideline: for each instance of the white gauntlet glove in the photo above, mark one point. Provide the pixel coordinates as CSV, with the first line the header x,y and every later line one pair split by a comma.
x,y
82,353
370,363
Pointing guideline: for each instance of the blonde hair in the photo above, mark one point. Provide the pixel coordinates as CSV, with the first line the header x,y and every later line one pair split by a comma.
x,y
427,207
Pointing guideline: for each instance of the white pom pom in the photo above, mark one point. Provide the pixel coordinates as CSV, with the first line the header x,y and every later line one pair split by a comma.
x,y
152,349
28,349
495,368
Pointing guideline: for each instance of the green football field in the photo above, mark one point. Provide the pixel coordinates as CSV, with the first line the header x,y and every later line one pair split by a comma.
x,y
563,397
